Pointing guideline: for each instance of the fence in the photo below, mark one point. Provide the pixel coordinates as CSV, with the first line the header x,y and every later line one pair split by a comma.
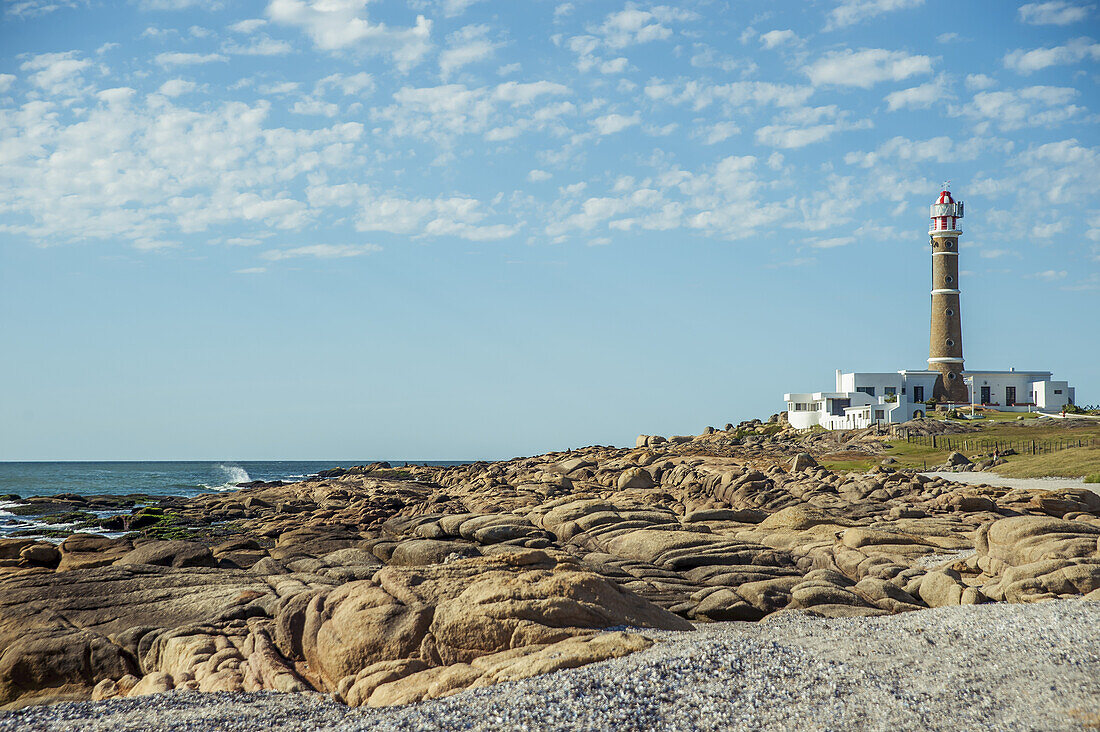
x,y
988,445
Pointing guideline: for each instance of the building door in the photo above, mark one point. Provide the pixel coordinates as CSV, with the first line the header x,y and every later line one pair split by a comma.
x,y
1010,396
918,393
986,397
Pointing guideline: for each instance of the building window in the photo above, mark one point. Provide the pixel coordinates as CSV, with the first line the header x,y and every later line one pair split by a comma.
x,y
880,414
892,390
918,393
1057,391
868,390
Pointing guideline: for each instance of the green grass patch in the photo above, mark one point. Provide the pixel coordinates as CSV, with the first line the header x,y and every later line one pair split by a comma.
x,y
1094,478
1073,462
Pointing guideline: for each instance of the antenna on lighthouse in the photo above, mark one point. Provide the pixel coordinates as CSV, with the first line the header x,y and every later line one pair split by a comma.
x,y
946,185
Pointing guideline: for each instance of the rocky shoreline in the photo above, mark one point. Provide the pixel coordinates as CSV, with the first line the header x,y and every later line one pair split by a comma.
x,y
383,586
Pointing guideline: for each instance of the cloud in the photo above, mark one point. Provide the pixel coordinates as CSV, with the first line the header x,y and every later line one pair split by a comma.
x,y
1076,51
866,68
176,87
250,270
775,38
6,81
1054,13
179,4
56,73
188,59
518,93
918,97
452,8
832,243
262,46
250,25
321,251
1033,106
349,85
1050,275
334,25
536,176
609,124
33,8
633,25
850,12
467,45
975,82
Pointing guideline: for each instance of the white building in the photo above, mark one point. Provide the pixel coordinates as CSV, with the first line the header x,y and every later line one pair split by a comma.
x,y
861,399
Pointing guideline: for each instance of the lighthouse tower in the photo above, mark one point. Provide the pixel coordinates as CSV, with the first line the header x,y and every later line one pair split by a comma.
x,y
945,351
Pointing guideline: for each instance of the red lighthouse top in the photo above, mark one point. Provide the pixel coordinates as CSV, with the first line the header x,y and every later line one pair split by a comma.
x,y
945,213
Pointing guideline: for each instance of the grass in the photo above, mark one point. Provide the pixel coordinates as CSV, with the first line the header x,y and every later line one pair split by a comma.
x,y
1003,428
1073,462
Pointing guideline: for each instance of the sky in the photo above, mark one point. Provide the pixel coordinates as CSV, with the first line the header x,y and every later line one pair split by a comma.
x,y
461,229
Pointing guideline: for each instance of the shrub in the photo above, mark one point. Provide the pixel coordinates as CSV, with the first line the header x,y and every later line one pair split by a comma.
x,y
1094,478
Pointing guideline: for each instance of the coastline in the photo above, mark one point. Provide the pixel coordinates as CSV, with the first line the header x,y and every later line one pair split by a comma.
x,y
383,586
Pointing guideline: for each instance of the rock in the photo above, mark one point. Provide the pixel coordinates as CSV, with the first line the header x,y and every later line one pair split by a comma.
x,y
957,458
634,478
169,554
803,461
427,551
43,554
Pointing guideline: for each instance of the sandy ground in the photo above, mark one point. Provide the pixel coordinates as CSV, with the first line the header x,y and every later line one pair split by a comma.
x,y
990,667
1047,484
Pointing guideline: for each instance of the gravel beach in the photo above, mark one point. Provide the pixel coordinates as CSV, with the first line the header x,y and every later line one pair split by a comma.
x,y
994,666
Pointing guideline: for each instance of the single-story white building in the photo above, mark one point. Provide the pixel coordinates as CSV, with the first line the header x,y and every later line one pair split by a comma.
x,y
861,399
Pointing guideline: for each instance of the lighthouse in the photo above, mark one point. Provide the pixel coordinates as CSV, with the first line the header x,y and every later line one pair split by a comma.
x,y
945,352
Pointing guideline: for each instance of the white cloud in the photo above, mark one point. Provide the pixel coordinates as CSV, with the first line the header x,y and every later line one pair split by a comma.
x,y
176,87
947,37
321,251
56,73
536,176
977,82
1057,12
466,46
1033,106
313,106
250,270
719,131
517,93
334,25
6,80
831,243
33,8
794,137
251,25
919,97
1050,275
451,8
609,124
262,46
1077,50
632,25
188,59
850,12
179,4
775,38
349,85
866,68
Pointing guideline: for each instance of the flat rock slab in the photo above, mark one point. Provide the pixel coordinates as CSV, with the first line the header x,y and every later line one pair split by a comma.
x,y
979,667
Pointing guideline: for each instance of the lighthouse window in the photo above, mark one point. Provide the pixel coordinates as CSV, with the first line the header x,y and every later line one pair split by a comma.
x,y
950,312
949,279
950,342
949,243
951,376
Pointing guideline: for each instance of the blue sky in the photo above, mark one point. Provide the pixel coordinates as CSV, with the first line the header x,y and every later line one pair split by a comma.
x,y
465,228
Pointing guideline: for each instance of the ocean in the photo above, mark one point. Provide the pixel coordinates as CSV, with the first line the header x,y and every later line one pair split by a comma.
x,y
182,478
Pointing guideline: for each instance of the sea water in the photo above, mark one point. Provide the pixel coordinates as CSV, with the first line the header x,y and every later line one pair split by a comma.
x,y
191,478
